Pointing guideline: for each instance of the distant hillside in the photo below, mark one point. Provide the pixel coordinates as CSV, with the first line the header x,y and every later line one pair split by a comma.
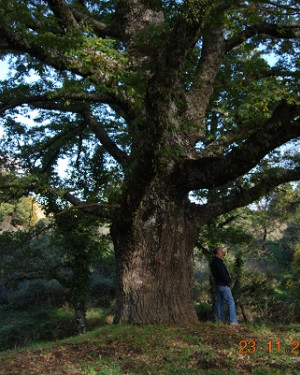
x,y
20,215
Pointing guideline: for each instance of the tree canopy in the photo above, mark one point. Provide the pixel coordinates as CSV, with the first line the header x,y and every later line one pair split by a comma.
x,y
123,87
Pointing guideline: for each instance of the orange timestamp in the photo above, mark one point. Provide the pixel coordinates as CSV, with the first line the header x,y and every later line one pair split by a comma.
x,y
250,346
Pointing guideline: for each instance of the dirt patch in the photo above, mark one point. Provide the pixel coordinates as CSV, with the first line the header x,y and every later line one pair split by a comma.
x,y
58,360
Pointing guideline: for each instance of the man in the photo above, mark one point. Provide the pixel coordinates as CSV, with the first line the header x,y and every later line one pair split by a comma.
x,y
223,291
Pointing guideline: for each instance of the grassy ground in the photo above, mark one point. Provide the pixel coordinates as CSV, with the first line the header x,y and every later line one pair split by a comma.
x,y
24,328
207,348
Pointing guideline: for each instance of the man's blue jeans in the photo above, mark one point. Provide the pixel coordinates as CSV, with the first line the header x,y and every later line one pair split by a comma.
x,y
223,293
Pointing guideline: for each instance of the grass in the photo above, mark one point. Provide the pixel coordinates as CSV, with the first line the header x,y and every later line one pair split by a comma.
x,y
24,328
207,348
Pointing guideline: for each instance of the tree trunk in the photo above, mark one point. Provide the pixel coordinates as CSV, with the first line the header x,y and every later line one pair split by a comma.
x,y
80,317
244,313
154,260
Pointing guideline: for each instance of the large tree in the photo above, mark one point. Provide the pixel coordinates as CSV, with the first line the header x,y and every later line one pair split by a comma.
x,y
151,100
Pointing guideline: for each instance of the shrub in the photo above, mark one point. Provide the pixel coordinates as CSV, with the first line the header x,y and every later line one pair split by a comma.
x,y
102,289
204,311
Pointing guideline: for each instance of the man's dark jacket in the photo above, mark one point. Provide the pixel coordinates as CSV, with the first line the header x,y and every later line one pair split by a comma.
x,y
219,272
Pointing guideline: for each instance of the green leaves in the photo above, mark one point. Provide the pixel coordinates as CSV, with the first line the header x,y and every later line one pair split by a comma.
x,y
54,64
195,10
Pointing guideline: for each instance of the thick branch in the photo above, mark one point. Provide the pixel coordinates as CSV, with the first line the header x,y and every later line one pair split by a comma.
x,y
171,63
63,13
119,155
216,148
268,30
198,97
96,209
52,149
100,28
91,208
51,159
19,43
244,197
193,22
132,16
209,172
52,97
60,106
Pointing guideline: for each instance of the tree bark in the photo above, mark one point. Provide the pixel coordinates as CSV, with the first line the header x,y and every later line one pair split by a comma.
x,y
154,260
243,313
80,317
